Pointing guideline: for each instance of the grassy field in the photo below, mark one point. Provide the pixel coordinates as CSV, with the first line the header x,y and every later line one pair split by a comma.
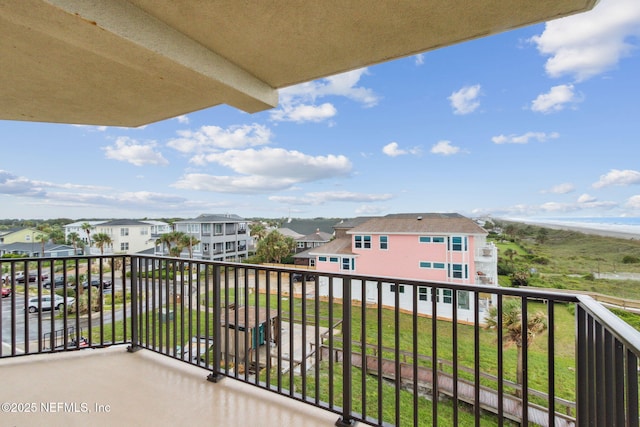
x,y
570,260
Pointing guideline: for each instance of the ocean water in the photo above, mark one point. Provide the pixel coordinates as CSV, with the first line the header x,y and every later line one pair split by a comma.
x,y
629,225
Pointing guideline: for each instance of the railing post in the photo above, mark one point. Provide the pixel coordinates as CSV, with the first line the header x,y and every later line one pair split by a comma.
x,y
215,376
135,327
347,392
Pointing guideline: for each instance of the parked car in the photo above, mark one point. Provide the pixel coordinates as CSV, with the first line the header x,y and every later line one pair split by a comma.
x,y
32,277
297,277
6,292
106,284
44,303
58,282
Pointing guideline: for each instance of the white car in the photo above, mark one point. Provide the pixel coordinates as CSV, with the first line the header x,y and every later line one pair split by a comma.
x,y
44,303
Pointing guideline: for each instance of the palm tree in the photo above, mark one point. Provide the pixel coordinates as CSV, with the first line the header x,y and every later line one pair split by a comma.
x,y
258,231
510,253
87,229
74,239
42,238
101,240
187,241
513,333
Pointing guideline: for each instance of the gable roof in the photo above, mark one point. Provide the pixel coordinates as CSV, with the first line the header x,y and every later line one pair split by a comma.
x,y
318,236
427,223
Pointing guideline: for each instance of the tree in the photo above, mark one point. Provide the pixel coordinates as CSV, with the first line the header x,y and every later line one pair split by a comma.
x,y
510,230
87,229
510,253
187,241
258,231
513,333
42,238
101,240
165,240
274,247
74,239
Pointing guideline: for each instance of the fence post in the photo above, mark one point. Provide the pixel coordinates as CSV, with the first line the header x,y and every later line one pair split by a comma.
x,y
135,327
215,376
347,386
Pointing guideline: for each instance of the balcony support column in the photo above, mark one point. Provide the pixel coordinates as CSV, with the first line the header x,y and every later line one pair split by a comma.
x,y
135,326
215,376
347,384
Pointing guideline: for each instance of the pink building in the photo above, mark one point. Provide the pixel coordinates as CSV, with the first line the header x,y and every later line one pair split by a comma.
x,y
439,247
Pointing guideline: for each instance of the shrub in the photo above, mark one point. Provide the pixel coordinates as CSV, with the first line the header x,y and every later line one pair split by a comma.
x,y
589,277
630,259
520,278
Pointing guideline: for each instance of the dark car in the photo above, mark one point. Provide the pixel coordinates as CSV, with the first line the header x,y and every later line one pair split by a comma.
x,y
58,282
32,277
106,284
297,277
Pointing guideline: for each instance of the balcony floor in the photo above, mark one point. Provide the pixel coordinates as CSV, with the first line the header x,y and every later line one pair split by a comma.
x,y
141,388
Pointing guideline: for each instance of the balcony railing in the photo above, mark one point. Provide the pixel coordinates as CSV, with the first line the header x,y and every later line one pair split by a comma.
x,y
414,353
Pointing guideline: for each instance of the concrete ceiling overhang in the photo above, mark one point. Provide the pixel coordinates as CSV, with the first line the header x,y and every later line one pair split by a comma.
x,y
128,63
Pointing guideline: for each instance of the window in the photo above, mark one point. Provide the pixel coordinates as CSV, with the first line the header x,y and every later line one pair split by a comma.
x,y
322,258
205,247
363,242
447,295
458,243
217,228
348,264
300,245
229,246
124,246
458,271
429,239
400,289
463,299
384,242
206,228
423,293
124,231
438,265
144,232
312,262
425,264
333,259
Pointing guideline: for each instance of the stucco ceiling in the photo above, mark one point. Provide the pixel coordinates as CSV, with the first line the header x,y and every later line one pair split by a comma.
x,y
128,63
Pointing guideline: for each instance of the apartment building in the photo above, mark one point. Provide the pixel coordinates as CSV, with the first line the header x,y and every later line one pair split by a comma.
x,y
221,237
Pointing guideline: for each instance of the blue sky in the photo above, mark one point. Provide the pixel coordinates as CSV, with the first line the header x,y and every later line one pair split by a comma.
x,y
539,122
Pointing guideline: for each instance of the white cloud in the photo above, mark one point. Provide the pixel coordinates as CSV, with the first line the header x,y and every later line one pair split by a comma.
x,y
392,149
302,113
525,138
264,170
445,148
297,103
563,188
419,59
369,210
586,198
465,100
134,152
182,119
555,100
209,139
634,202
618,177
320,198
591,43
